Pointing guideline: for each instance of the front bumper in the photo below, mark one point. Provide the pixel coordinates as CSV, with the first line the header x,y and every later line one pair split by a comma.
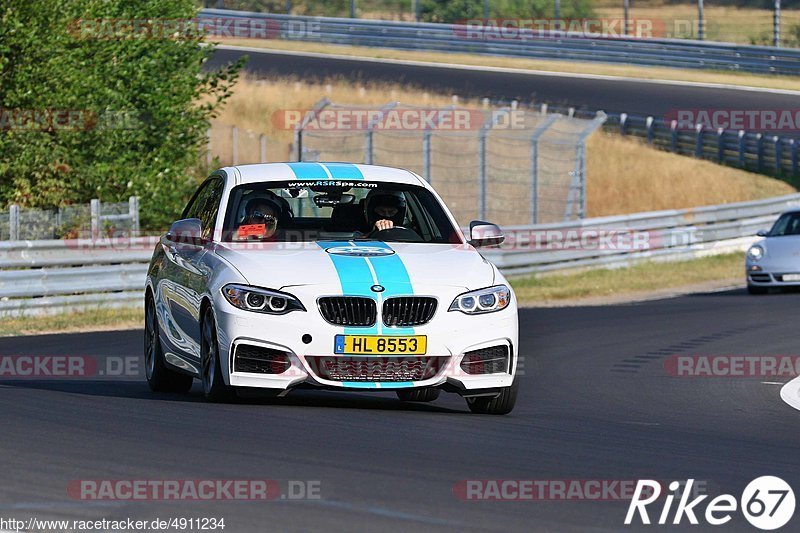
x,y
770,275
449,335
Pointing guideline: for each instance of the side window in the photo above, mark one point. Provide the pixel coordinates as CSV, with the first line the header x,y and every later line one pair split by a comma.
x,y
210,207
193,209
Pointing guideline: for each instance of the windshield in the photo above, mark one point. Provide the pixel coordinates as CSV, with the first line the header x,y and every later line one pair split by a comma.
x,y
309,211
787,224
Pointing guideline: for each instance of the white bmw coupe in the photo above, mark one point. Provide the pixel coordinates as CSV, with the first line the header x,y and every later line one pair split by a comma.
x,y
329,275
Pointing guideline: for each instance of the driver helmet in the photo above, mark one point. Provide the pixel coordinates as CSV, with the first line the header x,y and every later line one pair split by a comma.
x,y
385,205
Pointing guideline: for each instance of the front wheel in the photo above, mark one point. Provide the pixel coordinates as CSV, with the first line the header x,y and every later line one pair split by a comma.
x,y
502,404
159,377
423,394
214,387
752,289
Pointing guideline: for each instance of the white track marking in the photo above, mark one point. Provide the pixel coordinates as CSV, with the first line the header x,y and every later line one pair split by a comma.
x,y
790,393
509,70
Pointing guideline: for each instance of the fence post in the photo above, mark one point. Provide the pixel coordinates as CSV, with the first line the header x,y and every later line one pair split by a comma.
x,y
778,154
95,213
720,144
760,151
482,173
262,148
368,146
13,222
742,146
535,136
235,141
133,211
673,128
650,121
776,24
698,142
701,22
426,155
793,146
543,109
623,121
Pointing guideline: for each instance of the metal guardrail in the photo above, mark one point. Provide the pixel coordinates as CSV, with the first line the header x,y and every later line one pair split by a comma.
x,y
534,44
49,276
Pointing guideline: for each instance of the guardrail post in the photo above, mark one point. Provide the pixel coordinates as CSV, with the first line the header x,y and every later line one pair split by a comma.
x,y
235,142
698,141
649,122
673,130
623,122
742,147
543,109
760,152
778,154
482,173
133,211
95,214
720,144
13,222
793,147
262,148
426,155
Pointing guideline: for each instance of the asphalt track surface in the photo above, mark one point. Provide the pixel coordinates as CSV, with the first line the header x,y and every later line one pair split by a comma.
x,y
595,403
622,95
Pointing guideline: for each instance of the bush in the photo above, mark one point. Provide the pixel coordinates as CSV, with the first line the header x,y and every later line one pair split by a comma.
x,y
138,107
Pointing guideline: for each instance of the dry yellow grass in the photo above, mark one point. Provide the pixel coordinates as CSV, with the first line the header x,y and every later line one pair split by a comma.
x,y
624,175
605,69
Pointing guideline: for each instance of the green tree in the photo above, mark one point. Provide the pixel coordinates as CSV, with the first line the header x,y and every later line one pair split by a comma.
x,y
456,10
131,107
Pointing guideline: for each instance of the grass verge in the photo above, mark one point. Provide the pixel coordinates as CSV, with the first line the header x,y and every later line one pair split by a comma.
x,y
569,67
592,286
651,278
77,322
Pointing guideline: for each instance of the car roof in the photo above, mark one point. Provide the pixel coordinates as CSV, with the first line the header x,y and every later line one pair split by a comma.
x,y
308,171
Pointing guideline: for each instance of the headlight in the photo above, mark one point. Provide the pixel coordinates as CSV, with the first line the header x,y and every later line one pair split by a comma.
x,y
482,301
261,300
755,252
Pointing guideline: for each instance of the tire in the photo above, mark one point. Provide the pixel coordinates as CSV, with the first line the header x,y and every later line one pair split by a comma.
x,y
752,289
501,404
214,388
426,394
160,378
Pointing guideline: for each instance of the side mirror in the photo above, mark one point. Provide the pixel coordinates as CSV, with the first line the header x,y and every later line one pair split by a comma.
x,y
761,233
485,234
188,231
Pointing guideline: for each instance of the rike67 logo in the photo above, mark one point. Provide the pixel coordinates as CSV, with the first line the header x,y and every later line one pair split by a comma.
x,y
767,503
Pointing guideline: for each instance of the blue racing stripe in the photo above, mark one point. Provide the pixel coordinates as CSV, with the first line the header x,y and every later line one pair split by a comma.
x,y
384,384
355,278
308,171
344,171
392,274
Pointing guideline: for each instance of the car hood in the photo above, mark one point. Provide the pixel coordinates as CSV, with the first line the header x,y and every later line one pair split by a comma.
x,y
400,267
787,247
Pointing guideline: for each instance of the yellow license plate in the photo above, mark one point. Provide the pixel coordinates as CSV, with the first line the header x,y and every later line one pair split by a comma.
x,y
380,345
